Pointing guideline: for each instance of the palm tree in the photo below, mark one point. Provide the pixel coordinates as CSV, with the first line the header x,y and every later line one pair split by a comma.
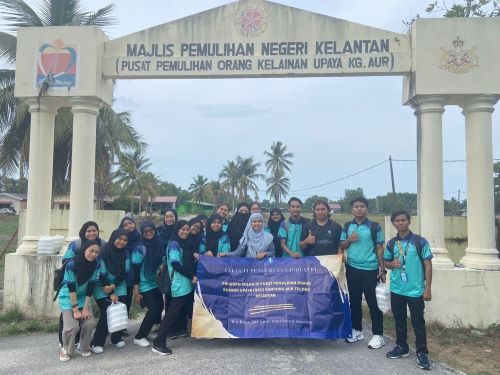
x,y
230,176
277,187
199,188
216,189
278,159
113,129
248,174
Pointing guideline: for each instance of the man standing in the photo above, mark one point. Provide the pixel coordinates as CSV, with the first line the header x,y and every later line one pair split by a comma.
x,y
409,257
363,240
321,236
291,230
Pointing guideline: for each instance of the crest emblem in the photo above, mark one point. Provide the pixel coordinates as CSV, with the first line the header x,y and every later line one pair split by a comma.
x,y
459,60
56,64
251,18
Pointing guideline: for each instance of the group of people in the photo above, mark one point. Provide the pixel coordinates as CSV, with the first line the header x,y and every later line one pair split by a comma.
x,y
126,267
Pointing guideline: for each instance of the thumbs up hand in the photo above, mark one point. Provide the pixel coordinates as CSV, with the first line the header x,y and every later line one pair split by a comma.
x,y
311,239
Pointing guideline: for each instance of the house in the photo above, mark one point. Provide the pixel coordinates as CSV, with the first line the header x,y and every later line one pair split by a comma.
x,y
61,202
13,201
190,207
335,208
162,203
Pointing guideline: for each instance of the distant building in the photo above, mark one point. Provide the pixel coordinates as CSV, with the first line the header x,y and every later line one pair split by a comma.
x,y
335,208
13,201
61,202
162,203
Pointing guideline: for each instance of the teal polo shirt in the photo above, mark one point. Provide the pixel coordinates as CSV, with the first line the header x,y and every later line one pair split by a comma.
x,y
415,285
291,231
181,285
81,290
145,284
361,254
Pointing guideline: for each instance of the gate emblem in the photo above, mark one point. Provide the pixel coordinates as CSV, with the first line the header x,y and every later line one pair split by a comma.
x,y
56,64
251,18
458,60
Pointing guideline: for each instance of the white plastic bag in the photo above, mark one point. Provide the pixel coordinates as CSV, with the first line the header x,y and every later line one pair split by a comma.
x,y
383,294
117,317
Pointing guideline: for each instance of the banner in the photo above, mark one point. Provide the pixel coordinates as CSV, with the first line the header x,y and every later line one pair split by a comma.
x,y
273,297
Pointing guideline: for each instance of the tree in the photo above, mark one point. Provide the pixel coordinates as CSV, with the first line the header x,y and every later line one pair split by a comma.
x,y
114,132
230,177
467,8
216,190
496,184
278,159
247,169
349,195
277,186
199,188
309,202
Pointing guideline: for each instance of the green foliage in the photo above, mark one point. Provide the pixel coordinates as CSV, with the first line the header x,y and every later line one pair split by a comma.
x,y
308,203
199,188
11,185
496,183
11,316
465,8
278,163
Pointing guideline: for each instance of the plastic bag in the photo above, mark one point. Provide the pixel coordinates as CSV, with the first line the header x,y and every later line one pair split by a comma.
x,y
117,317
383,294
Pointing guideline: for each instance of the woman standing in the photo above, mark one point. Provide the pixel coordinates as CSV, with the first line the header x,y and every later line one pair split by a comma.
x,y
217,242
169,220
183,282
275,219
223,210
237,225
146,261
112,286
80,277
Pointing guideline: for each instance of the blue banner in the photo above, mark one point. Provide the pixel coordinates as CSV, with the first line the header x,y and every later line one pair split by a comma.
x,y
273,297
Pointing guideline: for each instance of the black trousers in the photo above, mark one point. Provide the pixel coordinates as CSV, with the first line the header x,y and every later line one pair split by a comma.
x,y
101,329
417,306
154,302
364,282
185,314
130,296
177,306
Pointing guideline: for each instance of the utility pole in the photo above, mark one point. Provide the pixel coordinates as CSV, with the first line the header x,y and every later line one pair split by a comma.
x,y
458,195
392,176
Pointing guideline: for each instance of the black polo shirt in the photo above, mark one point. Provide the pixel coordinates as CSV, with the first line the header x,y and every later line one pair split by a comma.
x,y
327,238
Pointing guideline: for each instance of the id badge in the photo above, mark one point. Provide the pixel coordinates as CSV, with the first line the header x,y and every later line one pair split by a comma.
x,y
404,279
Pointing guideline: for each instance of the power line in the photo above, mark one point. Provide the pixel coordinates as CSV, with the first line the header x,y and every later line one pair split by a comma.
x,y
444,161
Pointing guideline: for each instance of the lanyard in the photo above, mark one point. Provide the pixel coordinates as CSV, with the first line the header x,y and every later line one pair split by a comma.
x,y
403,253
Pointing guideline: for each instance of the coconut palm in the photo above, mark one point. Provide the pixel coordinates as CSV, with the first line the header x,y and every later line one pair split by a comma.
x,y
278,159
247,175
113,129
216,190
230,177
199,188
277,186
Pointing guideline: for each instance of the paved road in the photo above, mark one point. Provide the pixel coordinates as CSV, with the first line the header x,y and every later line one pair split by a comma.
x,y
38,354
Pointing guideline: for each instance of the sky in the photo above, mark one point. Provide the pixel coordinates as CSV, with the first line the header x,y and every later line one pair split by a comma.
x,y
334,126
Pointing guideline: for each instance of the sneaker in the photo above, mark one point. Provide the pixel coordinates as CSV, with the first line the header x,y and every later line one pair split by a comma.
x,y
85,353
155,328
97,349
161,349
376,342
120,344
143,343
355,336
398,352
63,356
423,361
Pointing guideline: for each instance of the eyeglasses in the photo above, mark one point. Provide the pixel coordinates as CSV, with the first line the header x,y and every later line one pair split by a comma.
x,y
149,231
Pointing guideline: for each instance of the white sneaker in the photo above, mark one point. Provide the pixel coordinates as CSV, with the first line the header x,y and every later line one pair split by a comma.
x,y
143,343
120,344
63,356
355,336
97,349
155,328
376,342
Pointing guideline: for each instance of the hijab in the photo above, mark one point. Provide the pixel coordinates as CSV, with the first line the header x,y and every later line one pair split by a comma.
x,y
214,237
84,228
255,241
84,269
133,237
154,251
237,225
175,234
195,240
242,204
166,230
185,244
274,227
114,258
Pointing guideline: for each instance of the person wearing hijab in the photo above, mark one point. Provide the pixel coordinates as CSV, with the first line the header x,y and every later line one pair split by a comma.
x,y
88,231
204,220
196,235
255,208
146,261
183,282
223,210
237,225
112,286
169,220
80,276
256,242
217,242
275,219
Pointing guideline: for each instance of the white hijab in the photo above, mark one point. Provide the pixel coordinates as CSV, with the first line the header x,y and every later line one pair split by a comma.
x,y
256,241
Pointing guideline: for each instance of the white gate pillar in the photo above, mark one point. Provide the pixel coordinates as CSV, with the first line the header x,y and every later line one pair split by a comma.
x,y
41,153
85,111
429,110
481,252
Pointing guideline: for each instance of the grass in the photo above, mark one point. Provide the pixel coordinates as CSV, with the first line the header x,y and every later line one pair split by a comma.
x,y
8,226
473,351
13,322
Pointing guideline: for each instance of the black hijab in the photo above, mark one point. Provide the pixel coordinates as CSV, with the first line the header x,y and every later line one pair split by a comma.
x,y
114,259
274,227
133,237
195,240
237,225
166,230
213,237
154,251
83,268
84,228
186,245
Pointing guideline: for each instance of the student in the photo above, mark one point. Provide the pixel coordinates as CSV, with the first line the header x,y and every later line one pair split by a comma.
x,y
217,242
183,282
80,276
112,286
255,208
276,218
196,235
255,242
169,220
146,261
204,220
223,210
364,268
291,230
321,236
238,224
409,257
133,238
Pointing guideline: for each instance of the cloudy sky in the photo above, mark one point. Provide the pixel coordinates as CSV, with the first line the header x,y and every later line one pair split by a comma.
x,y
334,126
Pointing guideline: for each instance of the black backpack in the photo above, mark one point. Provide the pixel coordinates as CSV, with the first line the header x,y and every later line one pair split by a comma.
x,y
59,277
418,246
373,232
